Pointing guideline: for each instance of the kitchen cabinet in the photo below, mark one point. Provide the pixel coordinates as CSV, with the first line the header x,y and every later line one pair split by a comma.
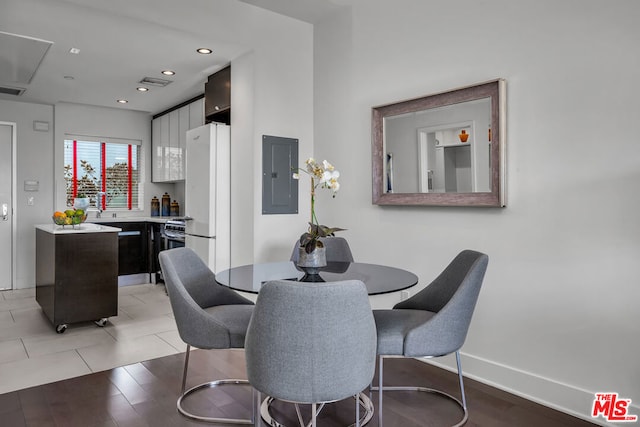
x,y
168,139
77,273
160,148
133,247
196,114
217,97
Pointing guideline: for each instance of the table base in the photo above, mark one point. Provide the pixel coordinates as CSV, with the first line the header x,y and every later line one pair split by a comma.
x,y
363,400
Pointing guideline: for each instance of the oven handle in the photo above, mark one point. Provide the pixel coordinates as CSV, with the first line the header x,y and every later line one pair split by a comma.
x,y
173,236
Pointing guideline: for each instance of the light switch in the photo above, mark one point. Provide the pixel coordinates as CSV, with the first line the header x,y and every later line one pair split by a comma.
x,y
30,201
31,185
41,126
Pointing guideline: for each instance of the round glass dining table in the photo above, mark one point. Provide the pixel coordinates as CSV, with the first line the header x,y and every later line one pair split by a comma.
x,y
379,279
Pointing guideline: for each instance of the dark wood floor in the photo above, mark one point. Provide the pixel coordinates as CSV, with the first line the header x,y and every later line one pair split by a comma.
x,y
144,394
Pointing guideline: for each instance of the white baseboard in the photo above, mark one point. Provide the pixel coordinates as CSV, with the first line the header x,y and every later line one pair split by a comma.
x,y
553,394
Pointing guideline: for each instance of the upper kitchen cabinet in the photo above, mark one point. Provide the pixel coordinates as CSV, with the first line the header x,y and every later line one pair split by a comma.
x,y
160,147
217,95
168,139
196,114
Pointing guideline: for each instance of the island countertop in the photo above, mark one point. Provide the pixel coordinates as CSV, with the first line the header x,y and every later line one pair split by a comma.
x,y
85,227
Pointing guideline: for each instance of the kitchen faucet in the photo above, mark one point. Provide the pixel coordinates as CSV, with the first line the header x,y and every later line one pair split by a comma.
x,y
99,203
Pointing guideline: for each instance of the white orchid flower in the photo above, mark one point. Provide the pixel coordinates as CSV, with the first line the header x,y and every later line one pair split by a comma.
x,y
330,180
327,166
328,176
296,175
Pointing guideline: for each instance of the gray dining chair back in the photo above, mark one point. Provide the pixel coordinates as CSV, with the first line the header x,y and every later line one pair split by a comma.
x,y
337,250
208,316
311,342
435,321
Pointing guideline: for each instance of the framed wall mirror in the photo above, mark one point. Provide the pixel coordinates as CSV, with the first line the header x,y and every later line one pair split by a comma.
x,y
446,149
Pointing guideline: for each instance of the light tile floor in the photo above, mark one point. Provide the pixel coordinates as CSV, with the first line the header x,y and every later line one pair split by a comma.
x,y
32,353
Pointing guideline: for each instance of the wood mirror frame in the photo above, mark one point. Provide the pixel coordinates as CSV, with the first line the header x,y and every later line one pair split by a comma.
x,y
495,90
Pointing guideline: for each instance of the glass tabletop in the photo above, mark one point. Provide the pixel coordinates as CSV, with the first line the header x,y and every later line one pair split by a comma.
x,y
378,279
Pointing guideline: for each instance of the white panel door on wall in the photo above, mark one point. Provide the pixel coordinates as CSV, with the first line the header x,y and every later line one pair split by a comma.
x,y
6,205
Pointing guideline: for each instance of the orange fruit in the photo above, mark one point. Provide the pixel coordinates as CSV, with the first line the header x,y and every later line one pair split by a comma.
x,y
59,214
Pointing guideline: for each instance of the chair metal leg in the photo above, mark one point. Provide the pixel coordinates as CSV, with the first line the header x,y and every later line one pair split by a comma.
x,y
464,399
314,415
462,404
257,419
357,399
299,414
380,388
186,367
211,384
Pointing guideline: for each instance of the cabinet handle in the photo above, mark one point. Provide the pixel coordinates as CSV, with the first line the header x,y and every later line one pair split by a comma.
x,y
5,212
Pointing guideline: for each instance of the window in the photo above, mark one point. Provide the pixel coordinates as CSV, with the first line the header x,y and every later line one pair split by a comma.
x,y
110,168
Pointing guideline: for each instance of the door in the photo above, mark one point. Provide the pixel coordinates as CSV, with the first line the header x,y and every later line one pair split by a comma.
x,y
7,148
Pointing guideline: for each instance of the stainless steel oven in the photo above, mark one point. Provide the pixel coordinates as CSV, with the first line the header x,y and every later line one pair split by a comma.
x,y
171,236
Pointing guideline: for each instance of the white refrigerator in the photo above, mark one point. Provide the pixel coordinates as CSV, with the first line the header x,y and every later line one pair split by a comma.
x,y
208,194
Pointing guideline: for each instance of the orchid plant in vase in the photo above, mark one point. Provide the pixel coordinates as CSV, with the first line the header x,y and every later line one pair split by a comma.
x,y
324,176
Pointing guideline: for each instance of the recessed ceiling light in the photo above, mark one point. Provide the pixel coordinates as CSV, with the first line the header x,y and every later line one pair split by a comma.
x,y
168,72
122,101
142,89
204,51
74,50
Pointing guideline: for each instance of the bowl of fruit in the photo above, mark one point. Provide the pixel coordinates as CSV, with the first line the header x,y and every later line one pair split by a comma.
x,y
70,217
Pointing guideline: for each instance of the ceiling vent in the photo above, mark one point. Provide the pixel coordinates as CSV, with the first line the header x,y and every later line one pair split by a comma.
x,y
20,57
152,81
17,91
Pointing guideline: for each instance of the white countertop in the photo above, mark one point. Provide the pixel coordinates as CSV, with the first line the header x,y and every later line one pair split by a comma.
x,y
85,227
107,218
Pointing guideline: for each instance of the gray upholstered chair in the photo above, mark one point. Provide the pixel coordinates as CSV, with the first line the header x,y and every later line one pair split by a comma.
x,y
311,343
434,322
208,316
337,250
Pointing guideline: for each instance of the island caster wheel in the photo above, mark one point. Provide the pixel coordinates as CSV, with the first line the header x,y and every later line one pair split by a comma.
x,y
61,328
101,322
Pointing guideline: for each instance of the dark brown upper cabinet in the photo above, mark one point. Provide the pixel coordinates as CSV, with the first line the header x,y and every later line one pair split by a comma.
x,y
217,97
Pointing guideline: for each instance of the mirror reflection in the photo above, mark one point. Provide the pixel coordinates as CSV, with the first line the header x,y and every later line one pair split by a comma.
x,y
445,149
441,150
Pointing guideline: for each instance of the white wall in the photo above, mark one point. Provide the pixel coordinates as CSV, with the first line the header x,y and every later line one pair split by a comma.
x,y
271,94
34,163
96,121
557,319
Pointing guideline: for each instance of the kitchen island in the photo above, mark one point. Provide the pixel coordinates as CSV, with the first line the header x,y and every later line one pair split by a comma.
x,y
77,273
